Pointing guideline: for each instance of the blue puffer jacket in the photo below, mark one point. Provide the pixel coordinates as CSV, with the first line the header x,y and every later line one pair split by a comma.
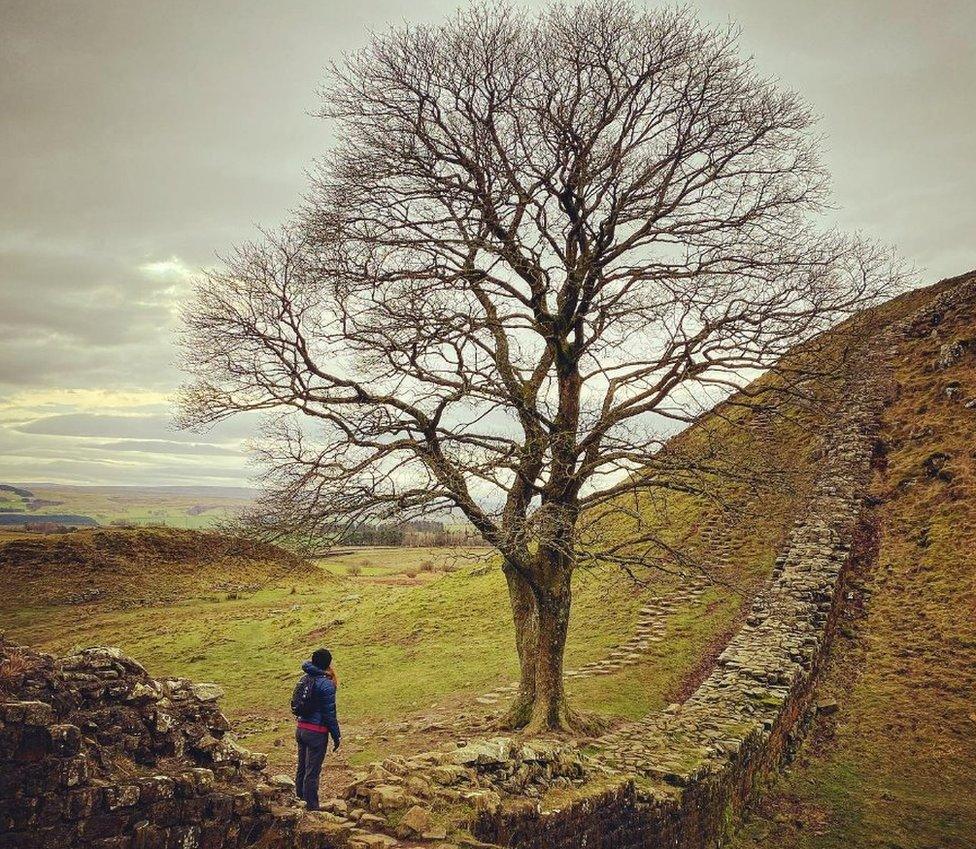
x,y
323,711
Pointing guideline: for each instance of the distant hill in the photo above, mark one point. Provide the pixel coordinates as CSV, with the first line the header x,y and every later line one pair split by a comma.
x,y
170,506
19,517
129,565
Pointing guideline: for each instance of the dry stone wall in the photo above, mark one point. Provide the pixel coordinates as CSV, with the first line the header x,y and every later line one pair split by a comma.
x,y
688,770
96,753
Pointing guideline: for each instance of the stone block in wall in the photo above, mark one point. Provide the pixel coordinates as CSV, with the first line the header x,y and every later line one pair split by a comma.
x,y
104,825
121,796
146,835
73,772
34,744
194,810
183,837
220,806
82,802
243,804
65,740
27,712
320,832
165,812
156,788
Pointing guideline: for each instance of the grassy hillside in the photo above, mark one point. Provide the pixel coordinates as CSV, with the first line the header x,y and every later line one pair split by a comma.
x,y
420,635
416,643
893,766
122,567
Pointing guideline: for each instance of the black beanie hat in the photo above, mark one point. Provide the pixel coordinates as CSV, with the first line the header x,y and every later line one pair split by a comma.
x,y
322,658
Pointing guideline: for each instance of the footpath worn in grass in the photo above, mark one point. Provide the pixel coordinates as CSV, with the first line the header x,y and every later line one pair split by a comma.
x,y
894,765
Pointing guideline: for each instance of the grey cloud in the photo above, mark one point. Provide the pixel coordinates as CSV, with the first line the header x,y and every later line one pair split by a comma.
x,y
30,358
148,426
160,446
105,471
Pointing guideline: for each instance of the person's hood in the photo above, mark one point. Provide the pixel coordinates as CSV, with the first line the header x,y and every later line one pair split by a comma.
x,y
310,668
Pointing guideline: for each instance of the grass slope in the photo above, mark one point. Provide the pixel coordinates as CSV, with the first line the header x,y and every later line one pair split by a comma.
x,y
416,645
122,567
894,766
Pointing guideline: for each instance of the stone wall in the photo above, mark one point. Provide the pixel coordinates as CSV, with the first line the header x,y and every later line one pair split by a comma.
x,y
96,753
689,770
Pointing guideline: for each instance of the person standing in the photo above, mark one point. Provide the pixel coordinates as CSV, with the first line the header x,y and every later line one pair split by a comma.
x,y
314,705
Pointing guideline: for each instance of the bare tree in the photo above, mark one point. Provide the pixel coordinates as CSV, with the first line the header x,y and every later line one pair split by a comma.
x,y
537,242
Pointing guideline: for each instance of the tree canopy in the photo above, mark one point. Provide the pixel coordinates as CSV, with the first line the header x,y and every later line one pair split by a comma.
x,y
539,244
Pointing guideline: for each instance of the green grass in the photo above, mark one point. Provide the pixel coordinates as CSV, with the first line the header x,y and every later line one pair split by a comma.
x,y
10,501
411,642
401,646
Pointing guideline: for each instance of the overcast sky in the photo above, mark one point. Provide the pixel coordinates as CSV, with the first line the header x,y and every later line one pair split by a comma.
x,y
139,138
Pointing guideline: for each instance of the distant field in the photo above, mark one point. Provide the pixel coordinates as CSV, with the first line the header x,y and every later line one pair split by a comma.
x,y
174,507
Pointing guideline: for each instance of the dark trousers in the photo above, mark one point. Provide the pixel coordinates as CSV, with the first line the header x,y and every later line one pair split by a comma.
x,y
311,754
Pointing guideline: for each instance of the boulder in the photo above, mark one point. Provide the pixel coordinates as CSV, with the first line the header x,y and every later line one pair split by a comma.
x,y
414,822
387,797
484,753
318,828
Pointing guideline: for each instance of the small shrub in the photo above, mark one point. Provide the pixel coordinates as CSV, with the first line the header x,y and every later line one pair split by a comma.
x,y
411,573
427,566
355,570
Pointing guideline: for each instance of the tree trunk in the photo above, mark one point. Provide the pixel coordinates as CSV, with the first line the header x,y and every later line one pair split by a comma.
x,y
525,615
549,709
541,625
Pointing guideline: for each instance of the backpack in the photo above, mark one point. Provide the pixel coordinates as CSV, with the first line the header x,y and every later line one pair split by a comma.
x,y
302,699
